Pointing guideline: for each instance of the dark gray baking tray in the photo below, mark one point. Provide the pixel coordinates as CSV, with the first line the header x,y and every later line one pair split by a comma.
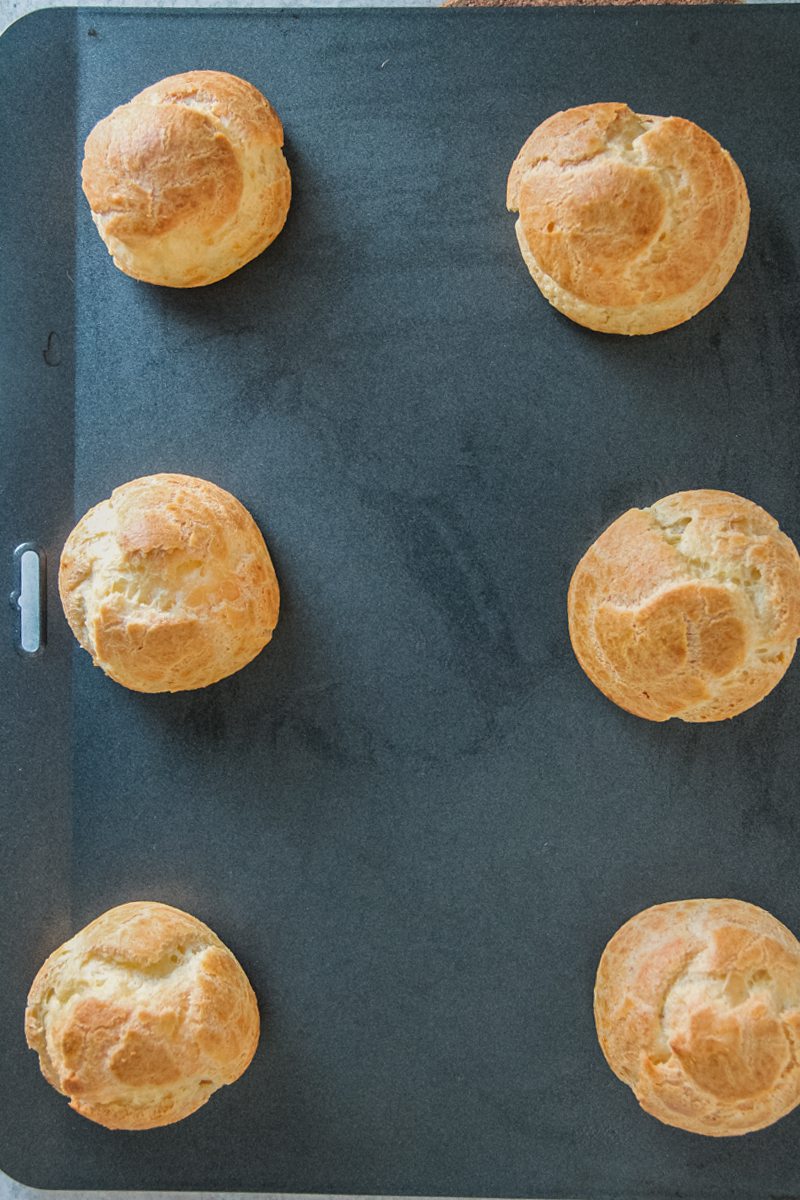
x,y
412,817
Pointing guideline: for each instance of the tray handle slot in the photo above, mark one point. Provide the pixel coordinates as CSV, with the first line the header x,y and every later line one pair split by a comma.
x,y
29,598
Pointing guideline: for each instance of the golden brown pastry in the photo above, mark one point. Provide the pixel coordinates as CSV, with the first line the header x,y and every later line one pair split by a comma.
x,y
187,181
141,1016
168,584
697,1006
628,223
689,608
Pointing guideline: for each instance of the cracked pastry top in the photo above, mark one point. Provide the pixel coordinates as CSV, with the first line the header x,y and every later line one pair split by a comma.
x,y
168,584
628,223
141,1016
187,182
689,608
697,1007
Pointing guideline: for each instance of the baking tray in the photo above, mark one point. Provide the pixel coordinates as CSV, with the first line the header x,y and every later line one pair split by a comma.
x,y
412,817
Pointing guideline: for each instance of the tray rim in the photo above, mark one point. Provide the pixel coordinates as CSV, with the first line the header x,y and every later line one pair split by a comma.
x,y
327,9
61,14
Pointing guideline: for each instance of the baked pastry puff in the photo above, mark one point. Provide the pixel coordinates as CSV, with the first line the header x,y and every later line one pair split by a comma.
x,y
141,1016
689,608
628,223
697,1007
187,182
168,584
